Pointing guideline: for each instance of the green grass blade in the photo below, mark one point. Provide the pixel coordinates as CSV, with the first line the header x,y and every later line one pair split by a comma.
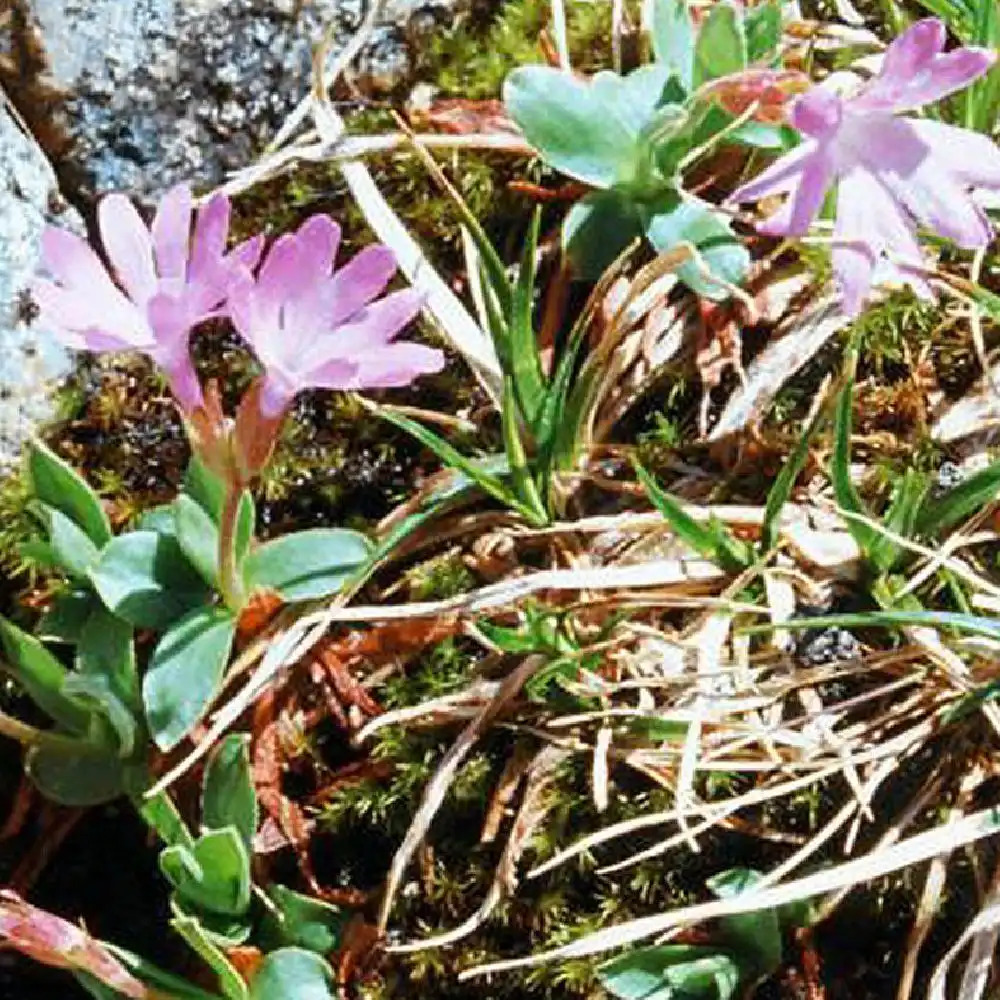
x,y
525,365
452,457
971,624
900,518
713,541
840,472
520,472
960,502
781,490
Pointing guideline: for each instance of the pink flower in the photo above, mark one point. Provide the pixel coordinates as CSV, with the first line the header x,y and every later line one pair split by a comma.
x,y
893,173
313,327
168,281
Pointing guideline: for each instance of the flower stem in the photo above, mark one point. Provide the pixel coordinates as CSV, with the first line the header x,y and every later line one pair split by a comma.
x,y
229,579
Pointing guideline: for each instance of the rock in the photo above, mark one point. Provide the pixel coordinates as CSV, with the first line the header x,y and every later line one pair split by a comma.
x,y
30,358
169,90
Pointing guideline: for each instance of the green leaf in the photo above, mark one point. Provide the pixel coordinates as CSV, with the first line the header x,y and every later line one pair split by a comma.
x,y
754,938
781,489
57,484
69,543
598,229
763,31
145,578
671,972
673,39
900,518
168,984
637,100
525,365
162,815
214,875
489,483
721,48
712,541
42,677
307,564
840,472
292,972
570,124
159,519
85,776
301,921
960,502
198,537
120,730
678,219
66,616
520,473
106,649
227,795
230,981
185,672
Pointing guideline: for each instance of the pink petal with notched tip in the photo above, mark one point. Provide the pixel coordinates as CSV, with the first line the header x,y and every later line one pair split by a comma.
x,y
971,158
779,178
171,231
916,175
247,254
915,72
374,326
397,364
803,204
71,262
319,238
359,281
870,224
817,113
128,245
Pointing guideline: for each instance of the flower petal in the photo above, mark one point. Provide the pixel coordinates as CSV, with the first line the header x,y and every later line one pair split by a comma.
x,y
71,261
209,242
805,201
319,237
917,176
170,321
971,158
779,178
128,245
397,364
870,226
374,326
247,253
171,231
915,73
359,281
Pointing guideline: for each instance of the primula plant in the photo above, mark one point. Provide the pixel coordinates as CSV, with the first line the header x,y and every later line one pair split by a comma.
x,y
638,606
633,137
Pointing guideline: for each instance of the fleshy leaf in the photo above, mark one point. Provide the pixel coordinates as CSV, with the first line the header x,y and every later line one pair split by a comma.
x,y
302,921
69,543
721,48
85,776
569,124
66,616
307,564
145,578
227,796
677,220
673,39
42,677
57,484
185,672
293,972
230,981
214,875
597,229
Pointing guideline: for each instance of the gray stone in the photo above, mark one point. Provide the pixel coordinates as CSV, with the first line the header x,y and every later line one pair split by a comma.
x,y
170,90
30,357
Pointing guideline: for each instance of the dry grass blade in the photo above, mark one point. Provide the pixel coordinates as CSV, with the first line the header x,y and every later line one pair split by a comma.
x,y
438,786
530,814
911,851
